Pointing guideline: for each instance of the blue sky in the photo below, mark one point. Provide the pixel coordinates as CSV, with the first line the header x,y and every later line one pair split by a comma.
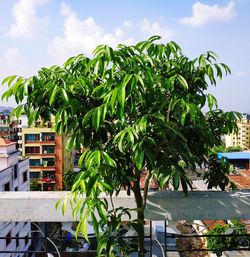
x,y
36,33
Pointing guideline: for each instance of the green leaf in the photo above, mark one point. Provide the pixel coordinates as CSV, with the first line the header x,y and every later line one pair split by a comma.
x,y
183,82
139,158
108,159
176,180
64,93
9,80
201,60
53,95
96,118
183,118
154,38
211,102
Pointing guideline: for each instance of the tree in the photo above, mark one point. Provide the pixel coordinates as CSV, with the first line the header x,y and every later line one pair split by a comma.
x,y
68,179
132,108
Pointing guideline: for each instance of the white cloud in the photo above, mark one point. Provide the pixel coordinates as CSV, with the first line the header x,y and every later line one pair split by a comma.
x,y
128,24
203,13
155,28
26,22
12,61
82,36
242,73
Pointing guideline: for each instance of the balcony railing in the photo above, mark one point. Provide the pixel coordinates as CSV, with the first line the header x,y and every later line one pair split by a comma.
x,y
154,245
48,180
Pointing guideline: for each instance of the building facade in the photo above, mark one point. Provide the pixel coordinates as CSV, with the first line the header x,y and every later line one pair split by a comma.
x,y
7,127
47,156
22,122
14,176
241,139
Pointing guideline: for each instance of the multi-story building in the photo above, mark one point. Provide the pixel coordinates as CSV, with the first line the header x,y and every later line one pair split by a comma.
x,y
241,139
22,122
47,155
14,176
7,127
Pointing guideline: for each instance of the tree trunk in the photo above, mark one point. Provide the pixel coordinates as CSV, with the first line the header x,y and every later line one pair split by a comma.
x,y
140,218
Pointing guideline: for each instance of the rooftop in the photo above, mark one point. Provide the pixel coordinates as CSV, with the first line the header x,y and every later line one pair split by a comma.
x,y
5,142
235,155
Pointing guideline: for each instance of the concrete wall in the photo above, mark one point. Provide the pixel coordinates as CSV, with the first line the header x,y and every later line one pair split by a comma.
x,y
161,205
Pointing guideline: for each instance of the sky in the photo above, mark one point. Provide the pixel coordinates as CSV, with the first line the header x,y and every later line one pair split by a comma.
x,y
41,33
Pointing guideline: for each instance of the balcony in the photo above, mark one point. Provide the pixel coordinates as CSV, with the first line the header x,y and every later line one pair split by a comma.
x,y
47,180
47,138
162,205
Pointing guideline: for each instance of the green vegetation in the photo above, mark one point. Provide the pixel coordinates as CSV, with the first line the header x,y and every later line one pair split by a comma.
x,y
34,185
133,108
222,243
223,149
68,179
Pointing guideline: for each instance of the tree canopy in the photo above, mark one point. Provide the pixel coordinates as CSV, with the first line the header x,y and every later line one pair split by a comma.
x,y
133,108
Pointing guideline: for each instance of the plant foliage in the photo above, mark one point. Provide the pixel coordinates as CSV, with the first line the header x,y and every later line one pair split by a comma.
x,y
132,108
225,242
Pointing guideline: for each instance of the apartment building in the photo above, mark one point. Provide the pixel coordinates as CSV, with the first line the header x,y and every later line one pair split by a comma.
x,y
47,154
14,176
7,127
22,122
241,139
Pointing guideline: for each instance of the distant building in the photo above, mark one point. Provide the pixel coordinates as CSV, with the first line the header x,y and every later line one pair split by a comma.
x,y
14,176
22,122
48,156
241,139
7,127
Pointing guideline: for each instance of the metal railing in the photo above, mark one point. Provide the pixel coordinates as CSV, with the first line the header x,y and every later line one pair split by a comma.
x,y
52,241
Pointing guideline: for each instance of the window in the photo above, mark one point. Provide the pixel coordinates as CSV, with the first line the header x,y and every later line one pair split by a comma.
x,y
25,176
35,174
35,162
8,239
20,122
15,171
32,149
32,137
48,137
48,162
26,240
7,187
17,240
48,149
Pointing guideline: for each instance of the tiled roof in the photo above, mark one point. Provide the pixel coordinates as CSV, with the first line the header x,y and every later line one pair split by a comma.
x,y
211,223
5,142
241,181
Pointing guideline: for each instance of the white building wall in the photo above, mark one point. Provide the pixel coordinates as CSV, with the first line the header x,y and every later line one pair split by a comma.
x,y
9,163
22,123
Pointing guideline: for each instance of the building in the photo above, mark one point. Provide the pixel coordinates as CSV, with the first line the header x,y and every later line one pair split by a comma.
x,y
242,139
14,176
7,127
22,122
240,160
48,156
